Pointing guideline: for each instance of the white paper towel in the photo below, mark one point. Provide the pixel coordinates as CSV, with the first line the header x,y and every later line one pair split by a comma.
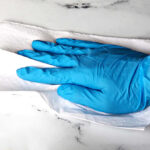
x,y
15,36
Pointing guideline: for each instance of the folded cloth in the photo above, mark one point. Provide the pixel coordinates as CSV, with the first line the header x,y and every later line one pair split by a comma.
x,y
16,36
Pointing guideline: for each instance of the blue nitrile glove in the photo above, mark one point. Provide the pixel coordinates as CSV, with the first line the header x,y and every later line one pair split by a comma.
x,y
104,77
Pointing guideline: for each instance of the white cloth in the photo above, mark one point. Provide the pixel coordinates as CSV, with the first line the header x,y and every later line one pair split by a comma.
x,y
16,36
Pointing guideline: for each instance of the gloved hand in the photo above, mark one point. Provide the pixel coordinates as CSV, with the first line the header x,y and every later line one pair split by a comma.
x,y
104,77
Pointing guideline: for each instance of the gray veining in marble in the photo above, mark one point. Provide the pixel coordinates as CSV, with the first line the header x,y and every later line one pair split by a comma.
x,y
125,18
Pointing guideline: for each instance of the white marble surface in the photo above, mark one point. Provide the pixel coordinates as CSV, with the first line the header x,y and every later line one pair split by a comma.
x,y
128,18
28,124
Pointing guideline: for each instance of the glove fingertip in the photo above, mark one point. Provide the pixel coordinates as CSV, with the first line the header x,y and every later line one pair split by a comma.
x,y
21,72
26,72
63,90
24,52
36,43
62,40
20,52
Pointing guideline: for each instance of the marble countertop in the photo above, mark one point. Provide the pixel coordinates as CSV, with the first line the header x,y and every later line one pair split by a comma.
x,y
128,18
28,124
